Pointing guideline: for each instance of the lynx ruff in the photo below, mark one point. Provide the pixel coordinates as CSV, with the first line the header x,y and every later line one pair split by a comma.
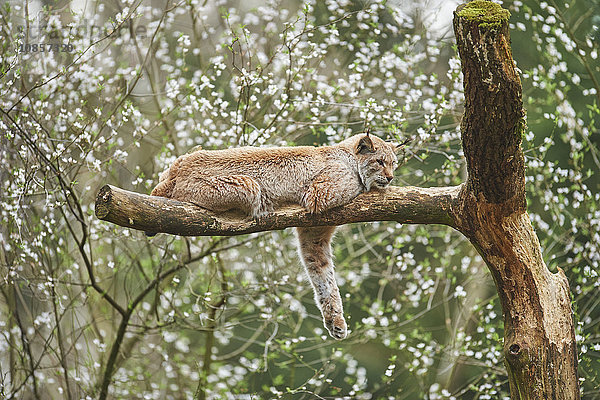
x,y
258,180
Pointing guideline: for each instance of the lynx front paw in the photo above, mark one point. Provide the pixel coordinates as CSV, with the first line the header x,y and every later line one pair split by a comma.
x,y
333,318
337,327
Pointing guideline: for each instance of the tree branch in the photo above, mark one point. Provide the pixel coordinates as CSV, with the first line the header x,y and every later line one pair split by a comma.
x,y
410,205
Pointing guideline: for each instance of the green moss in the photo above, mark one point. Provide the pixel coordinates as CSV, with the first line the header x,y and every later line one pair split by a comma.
x,y
487,13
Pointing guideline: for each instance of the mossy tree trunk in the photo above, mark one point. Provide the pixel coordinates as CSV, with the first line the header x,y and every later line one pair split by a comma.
x,y
539,343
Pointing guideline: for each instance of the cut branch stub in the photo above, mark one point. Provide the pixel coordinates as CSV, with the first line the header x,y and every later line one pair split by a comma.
x,y
493,121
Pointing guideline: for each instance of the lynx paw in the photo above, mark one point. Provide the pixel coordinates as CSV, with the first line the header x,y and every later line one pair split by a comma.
x,y
337,327
333,318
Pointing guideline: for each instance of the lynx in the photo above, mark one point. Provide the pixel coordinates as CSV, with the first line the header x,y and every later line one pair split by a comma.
x,y
258,180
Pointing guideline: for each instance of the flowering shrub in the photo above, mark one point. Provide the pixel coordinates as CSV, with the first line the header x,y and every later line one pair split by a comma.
x,y
114,92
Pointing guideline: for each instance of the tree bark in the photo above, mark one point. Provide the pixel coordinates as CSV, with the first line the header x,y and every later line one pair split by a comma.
x,y
489,209
410,205
539,344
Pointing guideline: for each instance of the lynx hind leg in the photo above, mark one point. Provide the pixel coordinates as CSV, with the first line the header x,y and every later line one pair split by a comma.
x,y
168,179
164,188
222,193
314,246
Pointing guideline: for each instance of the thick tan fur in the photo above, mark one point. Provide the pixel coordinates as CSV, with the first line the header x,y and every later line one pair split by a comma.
x,y
258,180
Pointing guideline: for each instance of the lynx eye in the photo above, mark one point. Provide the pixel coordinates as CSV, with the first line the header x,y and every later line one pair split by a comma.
x,y
380,162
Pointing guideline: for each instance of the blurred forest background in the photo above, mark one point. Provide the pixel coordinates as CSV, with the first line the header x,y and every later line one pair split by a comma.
x,y
89,309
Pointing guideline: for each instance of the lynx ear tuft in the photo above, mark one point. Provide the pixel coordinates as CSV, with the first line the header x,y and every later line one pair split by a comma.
x,y
399,146
365,145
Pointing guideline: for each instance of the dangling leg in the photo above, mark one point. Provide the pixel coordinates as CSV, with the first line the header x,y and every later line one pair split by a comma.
x,y
314,246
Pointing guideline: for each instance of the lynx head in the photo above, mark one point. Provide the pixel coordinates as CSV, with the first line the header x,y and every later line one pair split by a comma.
x,y
376,160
